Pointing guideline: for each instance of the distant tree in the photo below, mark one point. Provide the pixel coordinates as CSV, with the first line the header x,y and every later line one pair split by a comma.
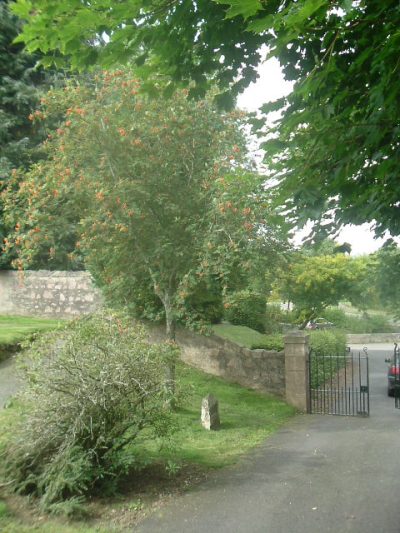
x,y
325,246
312,283
387,277
159,193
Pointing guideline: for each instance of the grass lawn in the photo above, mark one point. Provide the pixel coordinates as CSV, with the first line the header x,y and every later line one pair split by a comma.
x,y
247,418
14,329
248,337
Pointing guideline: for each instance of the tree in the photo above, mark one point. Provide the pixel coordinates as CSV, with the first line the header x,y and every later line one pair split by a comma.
x,y
21,85
312,283
18,95
193,44
325,246
159,193
335,148
386,274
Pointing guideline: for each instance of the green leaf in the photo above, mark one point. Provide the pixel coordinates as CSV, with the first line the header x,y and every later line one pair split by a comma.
x,y
263,24
273,106
298,13
245,8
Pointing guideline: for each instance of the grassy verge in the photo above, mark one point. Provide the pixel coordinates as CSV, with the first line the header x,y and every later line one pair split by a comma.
x,y
247,418
249,337
14,329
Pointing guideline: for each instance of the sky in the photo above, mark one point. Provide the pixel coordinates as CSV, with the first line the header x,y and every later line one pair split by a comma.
x,y
271,86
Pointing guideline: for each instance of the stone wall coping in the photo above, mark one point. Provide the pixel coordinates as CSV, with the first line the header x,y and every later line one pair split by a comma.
x,y
296,337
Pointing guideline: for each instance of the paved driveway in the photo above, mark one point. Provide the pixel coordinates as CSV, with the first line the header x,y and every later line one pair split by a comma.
x,y
318,474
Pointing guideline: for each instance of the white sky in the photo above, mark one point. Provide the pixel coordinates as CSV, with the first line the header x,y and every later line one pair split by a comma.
x,y
271,86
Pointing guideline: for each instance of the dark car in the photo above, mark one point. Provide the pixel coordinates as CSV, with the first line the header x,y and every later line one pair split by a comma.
x,y
393,370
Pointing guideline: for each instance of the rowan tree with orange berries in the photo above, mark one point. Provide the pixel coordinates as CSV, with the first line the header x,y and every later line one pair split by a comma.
x,y
160,194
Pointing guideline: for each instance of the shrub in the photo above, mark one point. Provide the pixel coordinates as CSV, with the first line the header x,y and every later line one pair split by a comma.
x,y
246,308
271,342
369,324
328,342
92,388
277,318
359,324
337,316
205,303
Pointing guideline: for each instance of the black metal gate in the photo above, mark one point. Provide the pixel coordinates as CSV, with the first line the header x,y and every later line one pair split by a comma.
x,y
395,370
339,384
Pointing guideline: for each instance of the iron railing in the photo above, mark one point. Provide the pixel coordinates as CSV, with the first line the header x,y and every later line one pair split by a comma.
x,y
396,365
339,384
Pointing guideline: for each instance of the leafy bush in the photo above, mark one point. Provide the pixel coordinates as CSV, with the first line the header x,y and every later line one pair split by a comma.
x,y
92,388
328,342
359,324
204,303
272,342
369,324
337,316
246,308
325,343
276,318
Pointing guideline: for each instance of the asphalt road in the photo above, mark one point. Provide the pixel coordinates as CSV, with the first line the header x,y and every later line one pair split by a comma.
x,y
318,474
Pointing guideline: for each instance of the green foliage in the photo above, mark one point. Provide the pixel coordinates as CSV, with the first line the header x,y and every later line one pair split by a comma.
x,y
92,389
155,195
276,318
22,83
246,308
272,342
4,511
176,42
313,283
328,342
345,83
206,301
18,95
387,277
344,89
323,245
367,322
337,316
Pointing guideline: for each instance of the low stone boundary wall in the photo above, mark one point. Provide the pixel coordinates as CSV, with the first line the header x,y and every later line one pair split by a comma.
x,y
371,338
48,294
262,370
68,294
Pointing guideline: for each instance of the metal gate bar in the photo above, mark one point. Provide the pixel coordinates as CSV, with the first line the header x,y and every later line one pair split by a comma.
x,y
339,384
396,362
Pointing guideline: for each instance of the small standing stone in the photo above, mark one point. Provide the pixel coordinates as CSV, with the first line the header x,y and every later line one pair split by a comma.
x,y
209,412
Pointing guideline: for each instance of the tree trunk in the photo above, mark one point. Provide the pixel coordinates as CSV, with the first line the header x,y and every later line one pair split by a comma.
x,y
170,327
309,317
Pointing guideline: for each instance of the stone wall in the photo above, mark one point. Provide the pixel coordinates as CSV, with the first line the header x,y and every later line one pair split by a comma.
x,y
68,294
262,370
47,294
371,338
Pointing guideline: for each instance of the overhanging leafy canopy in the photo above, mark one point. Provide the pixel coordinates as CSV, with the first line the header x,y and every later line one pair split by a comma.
x,y
337,152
